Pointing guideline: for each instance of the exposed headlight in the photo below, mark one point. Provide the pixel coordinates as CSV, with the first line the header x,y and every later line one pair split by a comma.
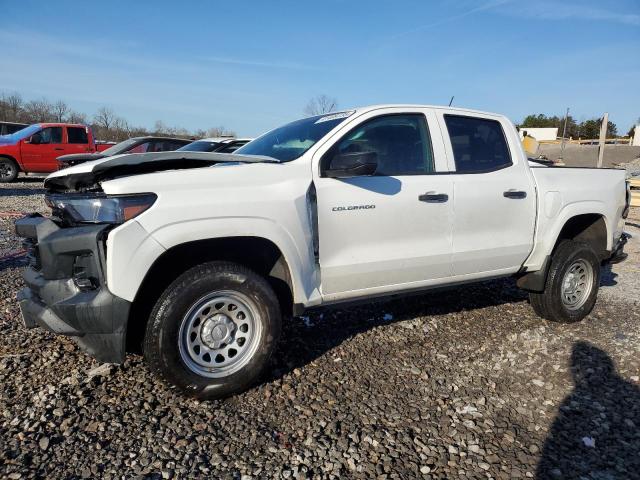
x,y
99,208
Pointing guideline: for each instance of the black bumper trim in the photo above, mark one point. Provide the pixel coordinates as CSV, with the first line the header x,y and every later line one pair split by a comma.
x,y
94,317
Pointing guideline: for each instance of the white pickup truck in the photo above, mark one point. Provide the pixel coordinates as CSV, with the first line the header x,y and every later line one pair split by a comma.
x,y
199,257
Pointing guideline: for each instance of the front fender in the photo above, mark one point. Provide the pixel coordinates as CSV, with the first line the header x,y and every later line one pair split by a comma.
x,y
132,250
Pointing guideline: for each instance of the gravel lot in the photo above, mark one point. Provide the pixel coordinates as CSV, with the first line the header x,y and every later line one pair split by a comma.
x,y
467,383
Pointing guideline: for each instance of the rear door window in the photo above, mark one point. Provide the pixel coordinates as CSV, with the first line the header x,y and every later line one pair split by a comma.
x,y
479,144
77,135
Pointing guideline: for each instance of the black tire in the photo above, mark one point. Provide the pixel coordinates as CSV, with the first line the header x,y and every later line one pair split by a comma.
x,y
549,304
162,347
8,170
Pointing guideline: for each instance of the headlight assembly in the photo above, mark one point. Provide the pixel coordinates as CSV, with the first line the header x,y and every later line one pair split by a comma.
x,y
97,208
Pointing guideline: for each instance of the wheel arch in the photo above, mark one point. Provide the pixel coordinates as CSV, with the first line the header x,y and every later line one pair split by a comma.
x,y
257,253
13,159
590,228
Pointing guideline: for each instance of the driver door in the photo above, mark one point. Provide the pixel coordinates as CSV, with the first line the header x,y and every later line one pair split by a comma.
x,y
41,156
391,230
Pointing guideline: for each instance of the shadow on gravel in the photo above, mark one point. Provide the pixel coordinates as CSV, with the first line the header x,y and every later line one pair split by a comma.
x,y
327,328
608,277
597,431
23,192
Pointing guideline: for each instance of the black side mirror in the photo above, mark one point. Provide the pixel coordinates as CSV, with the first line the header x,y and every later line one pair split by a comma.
x,y
36,139
352,164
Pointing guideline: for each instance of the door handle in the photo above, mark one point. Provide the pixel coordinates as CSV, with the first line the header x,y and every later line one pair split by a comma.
x,y
433,197
518,194
59,149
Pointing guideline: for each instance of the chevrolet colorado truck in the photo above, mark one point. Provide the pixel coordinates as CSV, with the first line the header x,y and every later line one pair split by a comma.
x,y
199,257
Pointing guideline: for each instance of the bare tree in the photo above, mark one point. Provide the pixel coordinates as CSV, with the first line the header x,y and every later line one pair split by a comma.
x,y
220,132
104,118
38,111
160,128
320,104
77,117
60,110
13,105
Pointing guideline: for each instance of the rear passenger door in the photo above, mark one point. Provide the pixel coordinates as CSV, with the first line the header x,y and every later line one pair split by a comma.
x,y
494,196
77,141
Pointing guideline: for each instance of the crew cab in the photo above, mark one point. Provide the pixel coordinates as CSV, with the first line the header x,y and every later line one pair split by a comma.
x,y
132,145
34,149
200,257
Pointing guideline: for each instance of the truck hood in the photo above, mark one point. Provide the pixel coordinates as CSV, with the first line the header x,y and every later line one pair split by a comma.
x,y
6,140
75,158
88,175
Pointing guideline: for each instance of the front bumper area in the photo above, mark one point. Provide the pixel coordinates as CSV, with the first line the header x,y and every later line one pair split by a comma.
x,y
66,292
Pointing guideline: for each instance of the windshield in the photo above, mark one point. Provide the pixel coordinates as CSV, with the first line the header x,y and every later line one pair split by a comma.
x,y
199,146
293,139
120,147
20,134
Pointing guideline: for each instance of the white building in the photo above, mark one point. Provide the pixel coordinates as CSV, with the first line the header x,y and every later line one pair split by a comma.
x,y
540,134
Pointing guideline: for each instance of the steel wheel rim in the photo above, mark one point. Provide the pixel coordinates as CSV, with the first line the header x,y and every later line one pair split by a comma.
x,y
6,171
219,334
577,284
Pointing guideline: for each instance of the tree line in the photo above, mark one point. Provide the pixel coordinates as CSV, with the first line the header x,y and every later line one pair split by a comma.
x,y
105,123
587,129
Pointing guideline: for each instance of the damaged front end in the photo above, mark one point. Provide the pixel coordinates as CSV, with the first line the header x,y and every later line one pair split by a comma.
x,y
66,291
66,279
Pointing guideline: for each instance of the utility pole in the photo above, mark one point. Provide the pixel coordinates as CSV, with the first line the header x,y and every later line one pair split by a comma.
x,y
603,137
564,134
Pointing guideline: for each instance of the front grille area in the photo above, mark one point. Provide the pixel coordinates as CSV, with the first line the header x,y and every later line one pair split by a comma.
x,y
33,254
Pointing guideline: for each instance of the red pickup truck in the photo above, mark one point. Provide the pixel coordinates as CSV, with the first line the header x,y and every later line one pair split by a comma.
x,y
36,147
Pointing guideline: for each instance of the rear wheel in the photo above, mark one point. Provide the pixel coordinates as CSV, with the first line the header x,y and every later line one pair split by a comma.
x,y
572,284
8,170
213,330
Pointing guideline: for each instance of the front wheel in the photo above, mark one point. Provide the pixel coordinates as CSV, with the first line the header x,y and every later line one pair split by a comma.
x,y
213,330
8,170
571,288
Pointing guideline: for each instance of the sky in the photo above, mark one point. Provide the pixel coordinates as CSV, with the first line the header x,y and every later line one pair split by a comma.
x,y
253,65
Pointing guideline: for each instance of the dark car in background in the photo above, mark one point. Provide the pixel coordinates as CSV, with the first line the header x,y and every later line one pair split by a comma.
x,y
132,145
7,128
216,144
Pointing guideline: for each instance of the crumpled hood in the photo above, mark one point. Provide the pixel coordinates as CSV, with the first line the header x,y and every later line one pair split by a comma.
x,y
6,140
89,174
75,158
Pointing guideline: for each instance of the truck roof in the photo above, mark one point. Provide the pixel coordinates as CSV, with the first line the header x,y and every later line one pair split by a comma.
x,y
60,124
369,108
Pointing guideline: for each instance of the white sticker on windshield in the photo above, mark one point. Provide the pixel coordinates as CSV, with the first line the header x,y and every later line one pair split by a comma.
x,y
334,116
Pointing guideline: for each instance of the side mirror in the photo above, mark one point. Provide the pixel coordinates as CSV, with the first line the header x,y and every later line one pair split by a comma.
x,y
352,164
35,139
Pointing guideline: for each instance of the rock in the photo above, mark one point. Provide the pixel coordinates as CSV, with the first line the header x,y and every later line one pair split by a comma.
x,y
43,443
102,370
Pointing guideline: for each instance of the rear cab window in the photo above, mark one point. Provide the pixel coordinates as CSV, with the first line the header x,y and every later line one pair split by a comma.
x,y
77,135
479,144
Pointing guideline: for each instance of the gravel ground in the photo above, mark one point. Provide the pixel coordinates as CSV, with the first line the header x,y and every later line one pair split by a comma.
x,y
462,384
